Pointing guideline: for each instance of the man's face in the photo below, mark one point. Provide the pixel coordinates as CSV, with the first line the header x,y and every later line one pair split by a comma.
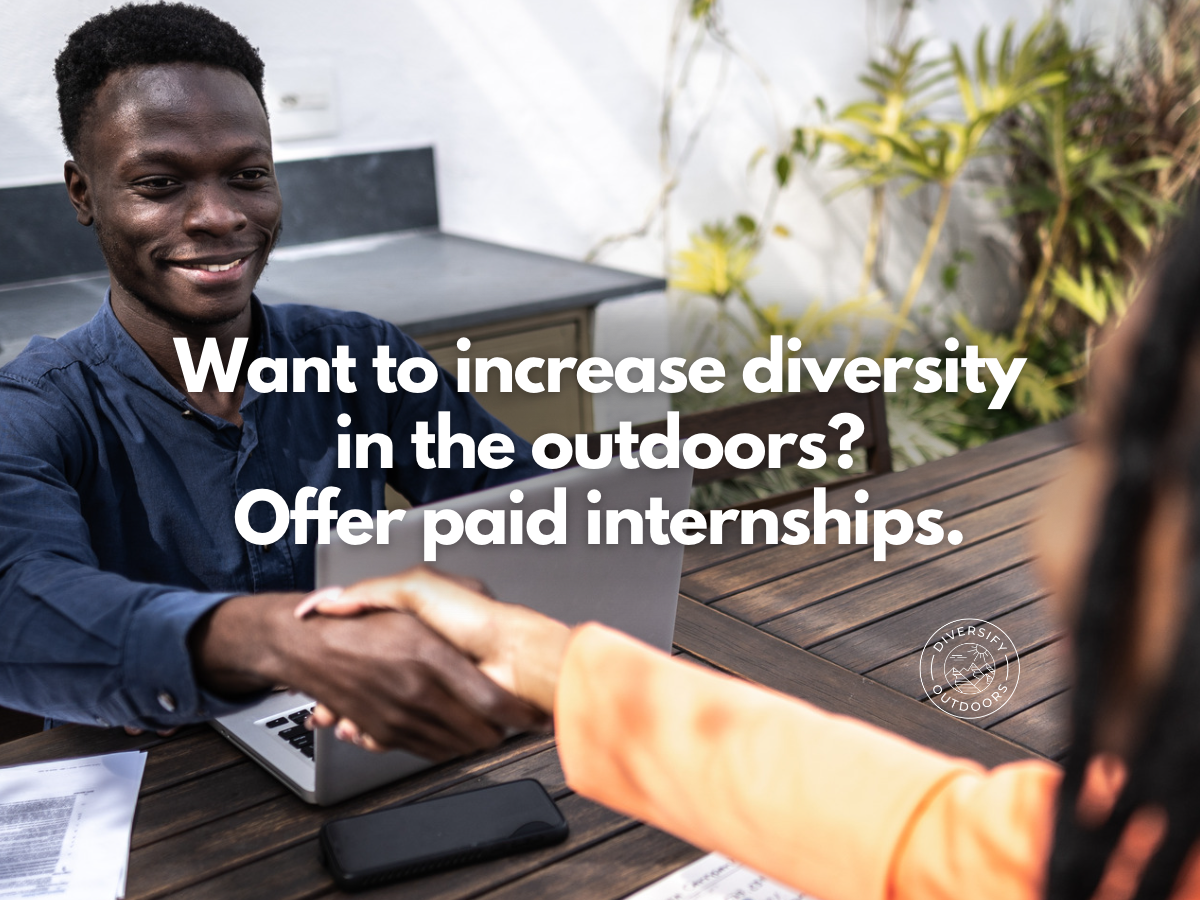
x,y
176,172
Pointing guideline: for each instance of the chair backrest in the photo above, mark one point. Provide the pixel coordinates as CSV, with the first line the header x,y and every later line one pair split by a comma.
x,y
807,412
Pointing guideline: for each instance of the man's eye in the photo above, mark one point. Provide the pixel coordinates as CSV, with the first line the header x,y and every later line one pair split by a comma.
x,y
156,184
251,175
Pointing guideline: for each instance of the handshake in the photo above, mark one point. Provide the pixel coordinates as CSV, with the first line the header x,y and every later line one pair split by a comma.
x,y
420,660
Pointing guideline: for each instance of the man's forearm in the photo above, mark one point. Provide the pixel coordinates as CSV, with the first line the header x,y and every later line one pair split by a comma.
x,y
241,646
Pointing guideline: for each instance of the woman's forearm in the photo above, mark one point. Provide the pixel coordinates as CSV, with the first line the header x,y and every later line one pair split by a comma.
x,y
819,801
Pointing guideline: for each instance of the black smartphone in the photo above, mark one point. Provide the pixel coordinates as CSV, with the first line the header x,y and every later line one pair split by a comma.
x,y
430,835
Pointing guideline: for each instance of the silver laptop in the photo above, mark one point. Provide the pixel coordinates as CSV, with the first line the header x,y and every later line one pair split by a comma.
x,y
630,587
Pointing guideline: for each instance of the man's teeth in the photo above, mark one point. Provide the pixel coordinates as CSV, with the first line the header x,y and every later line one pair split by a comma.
x,y
218,268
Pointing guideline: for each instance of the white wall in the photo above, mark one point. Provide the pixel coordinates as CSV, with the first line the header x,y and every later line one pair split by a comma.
x,y
544,114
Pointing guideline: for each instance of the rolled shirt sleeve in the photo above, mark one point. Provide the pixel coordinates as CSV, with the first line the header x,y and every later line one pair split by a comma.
x,y
130,666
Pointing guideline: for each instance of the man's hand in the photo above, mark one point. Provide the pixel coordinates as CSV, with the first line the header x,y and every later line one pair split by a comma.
x,y
519,649
406,686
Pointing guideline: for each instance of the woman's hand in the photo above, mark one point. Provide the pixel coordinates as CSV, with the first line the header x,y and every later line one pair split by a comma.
x,y
517,648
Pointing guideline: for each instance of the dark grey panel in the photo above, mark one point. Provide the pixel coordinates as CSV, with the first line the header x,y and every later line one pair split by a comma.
x,y
430,281
324,199
50,310
40,236
423,281
368,193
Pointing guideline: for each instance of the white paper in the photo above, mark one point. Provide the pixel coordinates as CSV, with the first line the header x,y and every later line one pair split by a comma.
x,y
65,825
717,877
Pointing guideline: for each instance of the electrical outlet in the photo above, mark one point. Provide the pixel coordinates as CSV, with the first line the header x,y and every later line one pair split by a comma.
x,y
302,101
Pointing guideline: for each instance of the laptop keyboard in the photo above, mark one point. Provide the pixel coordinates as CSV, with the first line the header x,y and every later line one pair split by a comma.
x,y
290,727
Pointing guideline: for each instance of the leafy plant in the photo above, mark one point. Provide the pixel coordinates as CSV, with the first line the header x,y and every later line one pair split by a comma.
x,y
1035,394
1099,167
894,139
941,154
866,132
1101,151
1090,207
719,262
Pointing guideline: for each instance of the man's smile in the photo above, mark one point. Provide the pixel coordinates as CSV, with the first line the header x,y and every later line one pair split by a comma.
x,y
214,269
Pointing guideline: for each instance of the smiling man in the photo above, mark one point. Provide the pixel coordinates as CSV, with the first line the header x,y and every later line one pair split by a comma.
x,y
127,595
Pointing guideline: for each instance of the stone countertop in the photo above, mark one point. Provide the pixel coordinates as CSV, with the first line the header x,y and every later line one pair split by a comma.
x,y
425,281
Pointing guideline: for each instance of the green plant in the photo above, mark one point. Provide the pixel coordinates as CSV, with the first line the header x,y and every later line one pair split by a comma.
x,y
940,155
1100,148
1089,196
718,265
1100,164
893,138
866,133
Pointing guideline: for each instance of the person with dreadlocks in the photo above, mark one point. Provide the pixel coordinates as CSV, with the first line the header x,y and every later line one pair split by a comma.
x,y
846,811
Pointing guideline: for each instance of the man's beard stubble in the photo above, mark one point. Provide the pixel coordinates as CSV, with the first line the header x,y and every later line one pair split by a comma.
x,y
109,251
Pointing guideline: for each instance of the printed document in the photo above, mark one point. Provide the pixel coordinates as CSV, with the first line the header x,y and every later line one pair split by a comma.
x,y
717,877
65,825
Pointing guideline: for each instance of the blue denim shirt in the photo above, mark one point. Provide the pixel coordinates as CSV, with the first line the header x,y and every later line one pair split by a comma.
x,y
117,503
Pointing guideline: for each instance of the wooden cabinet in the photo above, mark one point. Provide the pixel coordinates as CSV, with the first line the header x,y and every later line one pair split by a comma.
x,y
568,411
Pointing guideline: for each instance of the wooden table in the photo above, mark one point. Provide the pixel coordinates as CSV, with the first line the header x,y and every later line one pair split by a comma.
x,y
825,623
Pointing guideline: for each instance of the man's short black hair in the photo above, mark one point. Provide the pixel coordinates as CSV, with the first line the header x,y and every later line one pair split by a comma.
x,y
139,34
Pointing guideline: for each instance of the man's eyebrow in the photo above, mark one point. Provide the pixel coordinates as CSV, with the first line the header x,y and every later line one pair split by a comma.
x,y
166,155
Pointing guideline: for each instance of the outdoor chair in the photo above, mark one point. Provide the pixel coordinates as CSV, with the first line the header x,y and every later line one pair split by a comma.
x,y
803,413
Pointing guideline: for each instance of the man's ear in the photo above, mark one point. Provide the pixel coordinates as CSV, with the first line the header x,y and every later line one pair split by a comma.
x,y
79,190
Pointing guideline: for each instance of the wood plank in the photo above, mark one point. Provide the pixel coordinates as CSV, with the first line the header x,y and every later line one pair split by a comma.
x,y
69,741
772,562
900,487
1044,728
1044,673
903,590
589,823
860,569
296,873
203,799
607,871
1030,627
188,753
875,645
197,854
694,660
199,752
747,652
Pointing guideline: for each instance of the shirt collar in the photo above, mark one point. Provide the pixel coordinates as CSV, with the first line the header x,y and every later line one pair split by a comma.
x,y
118,348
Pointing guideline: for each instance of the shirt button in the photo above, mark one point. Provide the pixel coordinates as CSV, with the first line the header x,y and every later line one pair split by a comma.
x,y
166,701
189,413
103,723
267,548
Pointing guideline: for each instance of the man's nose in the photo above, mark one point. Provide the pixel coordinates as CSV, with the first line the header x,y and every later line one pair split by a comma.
x,y
213,209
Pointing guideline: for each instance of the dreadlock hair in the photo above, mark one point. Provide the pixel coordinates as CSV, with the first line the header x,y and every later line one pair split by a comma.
x,y
1163,769
144,35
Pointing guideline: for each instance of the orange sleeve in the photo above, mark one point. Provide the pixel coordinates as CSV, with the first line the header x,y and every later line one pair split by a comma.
x,y
833,806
